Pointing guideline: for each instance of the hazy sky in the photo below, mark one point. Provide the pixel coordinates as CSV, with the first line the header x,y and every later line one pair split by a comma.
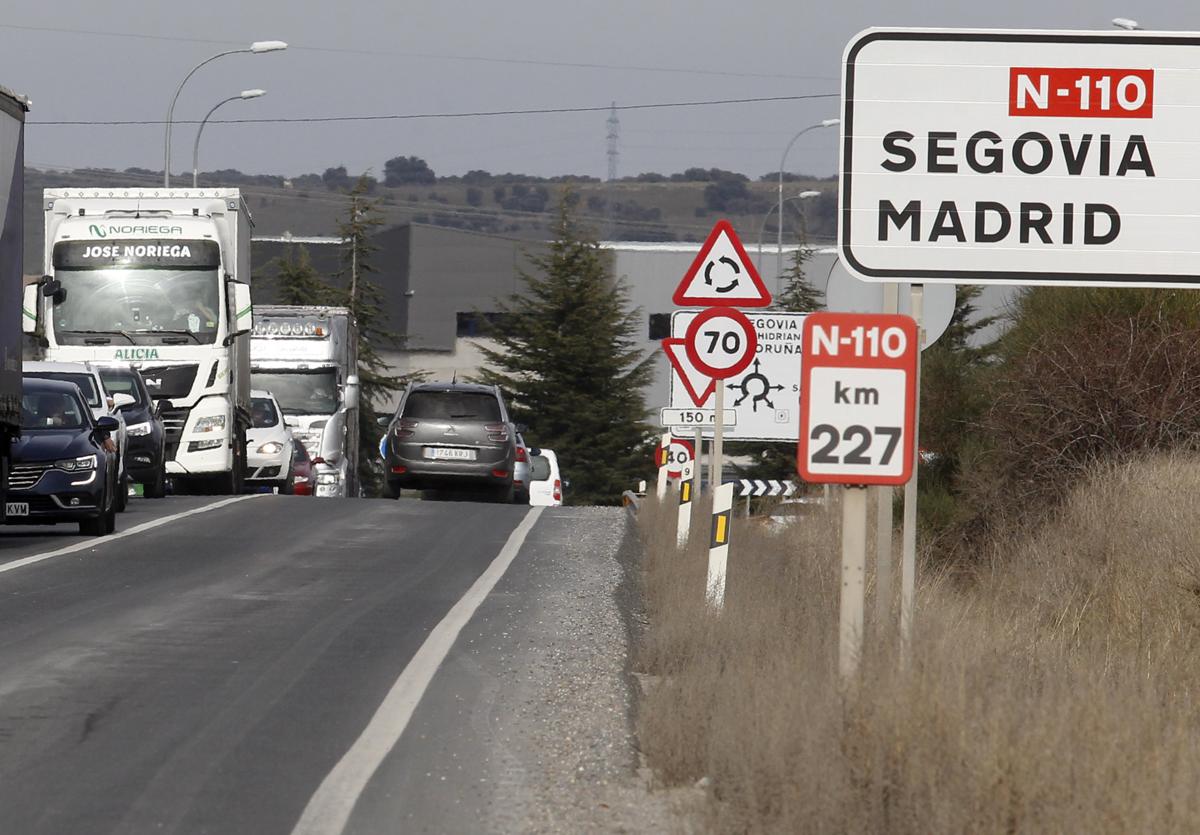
x,y
369,57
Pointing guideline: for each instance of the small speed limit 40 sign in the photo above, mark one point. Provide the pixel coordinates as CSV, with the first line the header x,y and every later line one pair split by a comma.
x,y
858,387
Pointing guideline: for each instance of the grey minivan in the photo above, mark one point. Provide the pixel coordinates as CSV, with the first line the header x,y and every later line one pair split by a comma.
x,y
450,435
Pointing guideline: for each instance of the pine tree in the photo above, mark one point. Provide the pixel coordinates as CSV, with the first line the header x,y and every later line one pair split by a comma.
x,y
799,296
298,282
569,364
364,298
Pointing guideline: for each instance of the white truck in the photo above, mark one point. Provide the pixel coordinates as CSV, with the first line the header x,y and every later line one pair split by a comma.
x,y
307,356
158,278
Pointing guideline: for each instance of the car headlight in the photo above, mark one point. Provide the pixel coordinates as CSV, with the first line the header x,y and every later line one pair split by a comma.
x,y
329,478
211,423
136,430
270,448
73,465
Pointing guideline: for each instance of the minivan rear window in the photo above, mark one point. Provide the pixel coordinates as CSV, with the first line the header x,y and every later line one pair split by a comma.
x,y
539,468
452,405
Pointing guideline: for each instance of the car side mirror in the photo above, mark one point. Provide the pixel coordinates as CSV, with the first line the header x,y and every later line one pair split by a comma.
x,y
350,395
158,408
108,423
123,401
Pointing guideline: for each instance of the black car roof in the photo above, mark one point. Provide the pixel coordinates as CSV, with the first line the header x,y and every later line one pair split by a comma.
x,y
44,385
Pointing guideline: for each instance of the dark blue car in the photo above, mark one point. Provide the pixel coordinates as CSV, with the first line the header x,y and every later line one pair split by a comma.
x,y
60,470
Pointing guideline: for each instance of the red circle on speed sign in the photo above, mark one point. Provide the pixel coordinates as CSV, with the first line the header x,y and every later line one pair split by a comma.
x,y
721,342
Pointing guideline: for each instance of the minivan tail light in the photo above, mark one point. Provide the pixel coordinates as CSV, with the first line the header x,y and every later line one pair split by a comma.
x,y
496,431
521,453
557,490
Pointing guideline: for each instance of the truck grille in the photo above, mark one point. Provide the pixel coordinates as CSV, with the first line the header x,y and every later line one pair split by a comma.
x,y
173,422
24,476
169,380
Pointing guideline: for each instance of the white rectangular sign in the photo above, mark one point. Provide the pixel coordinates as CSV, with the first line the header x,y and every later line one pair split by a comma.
x,y
1008,157
764,398
683,419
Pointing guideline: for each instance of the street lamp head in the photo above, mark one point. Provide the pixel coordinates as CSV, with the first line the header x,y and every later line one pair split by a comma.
x,y
267,46
805,195
251,94
1125,23
829,123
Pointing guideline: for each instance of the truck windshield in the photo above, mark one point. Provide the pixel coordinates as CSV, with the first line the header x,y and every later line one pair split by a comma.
x,y
302,391
138,289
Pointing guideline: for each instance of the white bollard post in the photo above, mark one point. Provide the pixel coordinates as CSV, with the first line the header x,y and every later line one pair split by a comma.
x,y
854,561
664,447
718,547
683,527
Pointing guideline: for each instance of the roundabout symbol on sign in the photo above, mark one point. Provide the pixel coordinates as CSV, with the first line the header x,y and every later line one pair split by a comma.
x,y
721,342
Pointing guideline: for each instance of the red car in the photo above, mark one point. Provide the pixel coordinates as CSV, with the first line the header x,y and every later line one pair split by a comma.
x,y
303,479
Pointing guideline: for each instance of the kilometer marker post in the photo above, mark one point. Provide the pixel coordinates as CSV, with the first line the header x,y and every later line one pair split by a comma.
x,y
687,495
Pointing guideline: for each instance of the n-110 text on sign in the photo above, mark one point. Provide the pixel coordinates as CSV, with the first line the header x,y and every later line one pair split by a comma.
x,y
1021,158
857,398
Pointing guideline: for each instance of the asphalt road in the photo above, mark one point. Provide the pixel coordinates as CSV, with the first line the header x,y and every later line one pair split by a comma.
x,y
223,666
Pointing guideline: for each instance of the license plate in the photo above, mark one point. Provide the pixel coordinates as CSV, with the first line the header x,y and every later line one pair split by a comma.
x,y
449,453
16,508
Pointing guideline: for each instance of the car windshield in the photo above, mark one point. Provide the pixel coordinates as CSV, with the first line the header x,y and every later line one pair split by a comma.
x,y
136,289
85,381
301,392
262,413
51,410
452,405
121,382
539,468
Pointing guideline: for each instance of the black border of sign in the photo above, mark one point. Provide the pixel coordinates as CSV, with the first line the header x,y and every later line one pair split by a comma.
x,y
845,245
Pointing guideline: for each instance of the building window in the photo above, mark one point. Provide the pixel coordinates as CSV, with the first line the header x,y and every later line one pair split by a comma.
x,y
477,324
660,325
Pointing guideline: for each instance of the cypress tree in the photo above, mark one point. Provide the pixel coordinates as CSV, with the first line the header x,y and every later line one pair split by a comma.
x,y
297,281
569,364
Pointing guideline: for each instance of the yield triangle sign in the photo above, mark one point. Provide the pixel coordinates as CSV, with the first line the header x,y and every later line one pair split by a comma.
x,y
722,274
696,383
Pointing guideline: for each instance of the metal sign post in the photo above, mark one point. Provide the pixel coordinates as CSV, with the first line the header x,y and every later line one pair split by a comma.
x,y
908,564
718,441
699,462
883,510
854,562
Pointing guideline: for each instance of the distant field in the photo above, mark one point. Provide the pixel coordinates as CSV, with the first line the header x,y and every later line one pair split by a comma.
x,y
653,211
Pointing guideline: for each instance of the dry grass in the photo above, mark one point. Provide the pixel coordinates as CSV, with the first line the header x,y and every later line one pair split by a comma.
x,y
1053,690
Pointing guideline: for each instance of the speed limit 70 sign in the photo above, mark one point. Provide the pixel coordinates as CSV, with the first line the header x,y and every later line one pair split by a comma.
x,y
858,387
721,342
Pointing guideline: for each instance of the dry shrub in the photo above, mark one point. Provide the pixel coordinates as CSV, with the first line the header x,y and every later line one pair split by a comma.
x,y
1085,380
1056,691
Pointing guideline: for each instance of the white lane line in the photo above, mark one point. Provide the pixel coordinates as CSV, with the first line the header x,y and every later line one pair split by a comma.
x,y
102,540
328,810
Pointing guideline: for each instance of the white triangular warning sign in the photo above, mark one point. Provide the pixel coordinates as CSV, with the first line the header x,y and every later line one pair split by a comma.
x,y
696,383
722,274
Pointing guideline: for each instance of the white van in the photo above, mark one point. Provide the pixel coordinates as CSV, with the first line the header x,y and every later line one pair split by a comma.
x,y
545,480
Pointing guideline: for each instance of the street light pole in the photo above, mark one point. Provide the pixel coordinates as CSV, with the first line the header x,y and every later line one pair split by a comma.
x,y
256,48
245,94
826,123
762,227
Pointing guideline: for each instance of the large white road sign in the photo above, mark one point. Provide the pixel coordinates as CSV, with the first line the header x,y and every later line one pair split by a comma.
x,y
1006,157
764,395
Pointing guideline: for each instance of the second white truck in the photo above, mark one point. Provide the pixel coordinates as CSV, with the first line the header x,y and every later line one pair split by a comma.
x,y
307,356
159,278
